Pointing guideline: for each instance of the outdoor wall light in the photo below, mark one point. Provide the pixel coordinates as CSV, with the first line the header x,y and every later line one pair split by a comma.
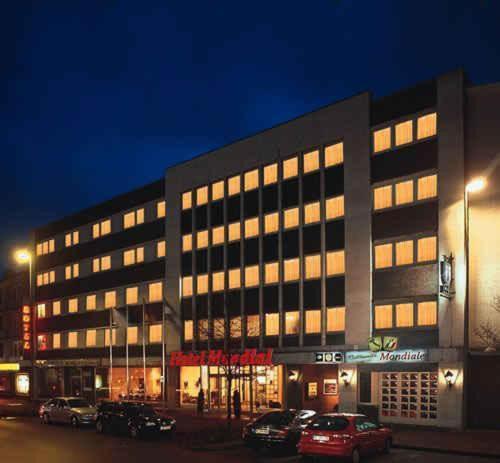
x,y
450,378
345,376
293,375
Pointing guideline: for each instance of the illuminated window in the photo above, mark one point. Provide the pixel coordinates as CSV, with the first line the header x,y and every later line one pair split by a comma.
x,y
187,286
133,218
334,154
334,207
70,239
101,228
155,291
404,252
312,213
40,311
202,284
404,133
133,256
219,328
251,227
39,249
427,313
45,278
217,190
235,328
72,271
72,339
202,239
382,197
291,217
234,231
56,308
312,321
132,295
203,329
290,168
271,222
160,249
335,264
291,269
91,338
427,126
292,322
188,330
187,200
272,324
132,334
160,209
404,192
234,278
73,305
234,185
270,174
313,266
218,235
187,243
251,180
218,281
427,187
155,333
335,319
426,249
383,255
91,302
311,161
251,276
45,247
271,273
110,299
56,340
383,316
253,326
381,140
404,315
202,196
100,264
106,336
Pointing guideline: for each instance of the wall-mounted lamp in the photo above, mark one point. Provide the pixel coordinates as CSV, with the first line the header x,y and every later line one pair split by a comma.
x,y
345,376
293,375
450,378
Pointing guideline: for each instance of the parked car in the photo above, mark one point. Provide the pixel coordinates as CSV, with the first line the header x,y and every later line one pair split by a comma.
x,y
280,427
344,435
72,410
132,418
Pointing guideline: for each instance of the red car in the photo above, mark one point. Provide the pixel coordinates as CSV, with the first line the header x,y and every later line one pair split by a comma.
x,y
344,435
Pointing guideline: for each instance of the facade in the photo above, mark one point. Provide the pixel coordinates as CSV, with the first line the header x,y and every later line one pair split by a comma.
x,y
335,241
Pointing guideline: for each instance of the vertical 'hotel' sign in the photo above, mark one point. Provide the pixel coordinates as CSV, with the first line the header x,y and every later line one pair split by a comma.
x,y
26,327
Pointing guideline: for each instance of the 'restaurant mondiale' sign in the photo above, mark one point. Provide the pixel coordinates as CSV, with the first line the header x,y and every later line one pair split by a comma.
x,y
218,357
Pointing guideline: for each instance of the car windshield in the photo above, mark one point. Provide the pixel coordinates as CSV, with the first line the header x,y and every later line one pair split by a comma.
x,y
329,423
276,418
78,403
141,409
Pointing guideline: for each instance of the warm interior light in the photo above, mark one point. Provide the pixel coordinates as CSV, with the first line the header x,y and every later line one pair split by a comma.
x,y
476,184
22,256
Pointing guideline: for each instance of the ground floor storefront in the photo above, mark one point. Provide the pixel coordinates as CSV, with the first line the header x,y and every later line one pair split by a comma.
x,y
15,379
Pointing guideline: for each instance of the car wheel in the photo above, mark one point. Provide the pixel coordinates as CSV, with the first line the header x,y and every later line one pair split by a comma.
x,y
99,427
355,457
134,432
46,418
387,445
74,422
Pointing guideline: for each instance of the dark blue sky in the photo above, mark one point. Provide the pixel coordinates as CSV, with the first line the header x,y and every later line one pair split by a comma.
x,y
100,96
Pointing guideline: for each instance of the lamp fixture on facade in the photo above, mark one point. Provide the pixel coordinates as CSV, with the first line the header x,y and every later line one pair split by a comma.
x,y
346,377
293,375
450,378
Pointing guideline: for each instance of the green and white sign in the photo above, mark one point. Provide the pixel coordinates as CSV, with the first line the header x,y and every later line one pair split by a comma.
x,y
397,356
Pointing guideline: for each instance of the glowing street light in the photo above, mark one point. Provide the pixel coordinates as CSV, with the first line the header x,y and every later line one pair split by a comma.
x,y
475,185
22,256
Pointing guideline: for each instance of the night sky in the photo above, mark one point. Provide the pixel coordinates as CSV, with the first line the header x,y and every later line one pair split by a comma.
x,y
99,97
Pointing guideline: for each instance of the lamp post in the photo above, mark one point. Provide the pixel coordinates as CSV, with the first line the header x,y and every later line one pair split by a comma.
x,y
475,185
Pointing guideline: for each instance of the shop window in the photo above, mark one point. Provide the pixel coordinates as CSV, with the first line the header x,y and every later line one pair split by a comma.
x,y
234,231
56,340
426,249
404,252
202,284
251,227
426,126
187,243
40,311
252,276
73,305
404,192
218,235
334,154
71,239
271,273
72,271
132,334
292,323
253,326
91,302
155,333
383,255
271,222
91,338
404,315
234,278
133,218
155,291
132,295
217,190
202,239
427,313
383,316
427,187
272,324
110,299
235,328
313,266
381,140
234,185
291,218
188,330
107,337
218,281
335,263
201,196
72,339
312,213
404,133
187,286
270,174
382,197
313,321
251,180
133,256
335,319
311,161
56,308
219,327
291,269
160,249
160,209
334,207
290,168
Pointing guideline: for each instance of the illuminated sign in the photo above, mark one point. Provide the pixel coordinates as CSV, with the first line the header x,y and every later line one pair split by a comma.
x,y
383,343
10,367
328,357
397,356
23,383
219,358
26,327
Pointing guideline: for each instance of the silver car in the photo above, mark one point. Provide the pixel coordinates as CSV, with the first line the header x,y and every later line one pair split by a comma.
x,y
71,410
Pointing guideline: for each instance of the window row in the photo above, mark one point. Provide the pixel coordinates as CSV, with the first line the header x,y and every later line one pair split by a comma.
x,y
405,192
332,155
334,209
46,278
272,273
45,247
405,252
405,315
405,132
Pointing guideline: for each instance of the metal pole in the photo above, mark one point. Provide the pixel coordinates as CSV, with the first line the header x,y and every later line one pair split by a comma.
x,y
144,346
110,376
126,352
34,321
163,383
466,311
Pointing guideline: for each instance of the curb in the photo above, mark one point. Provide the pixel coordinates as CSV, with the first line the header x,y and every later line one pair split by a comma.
x,y
445,451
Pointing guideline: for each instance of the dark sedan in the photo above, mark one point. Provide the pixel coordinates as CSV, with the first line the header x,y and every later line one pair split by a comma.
x,y
281,428
132,418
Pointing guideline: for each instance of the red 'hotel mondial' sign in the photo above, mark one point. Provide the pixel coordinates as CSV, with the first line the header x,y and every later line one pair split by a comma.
x,y
218,357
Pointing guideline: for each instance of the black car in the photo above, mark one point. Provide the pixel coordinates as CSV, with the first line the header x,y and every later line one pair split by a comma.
x,y
277,428
132,418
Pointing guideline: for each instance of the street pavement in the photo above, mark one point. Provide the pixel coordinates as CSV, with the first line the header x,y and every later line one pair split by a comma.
x,y
25,440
